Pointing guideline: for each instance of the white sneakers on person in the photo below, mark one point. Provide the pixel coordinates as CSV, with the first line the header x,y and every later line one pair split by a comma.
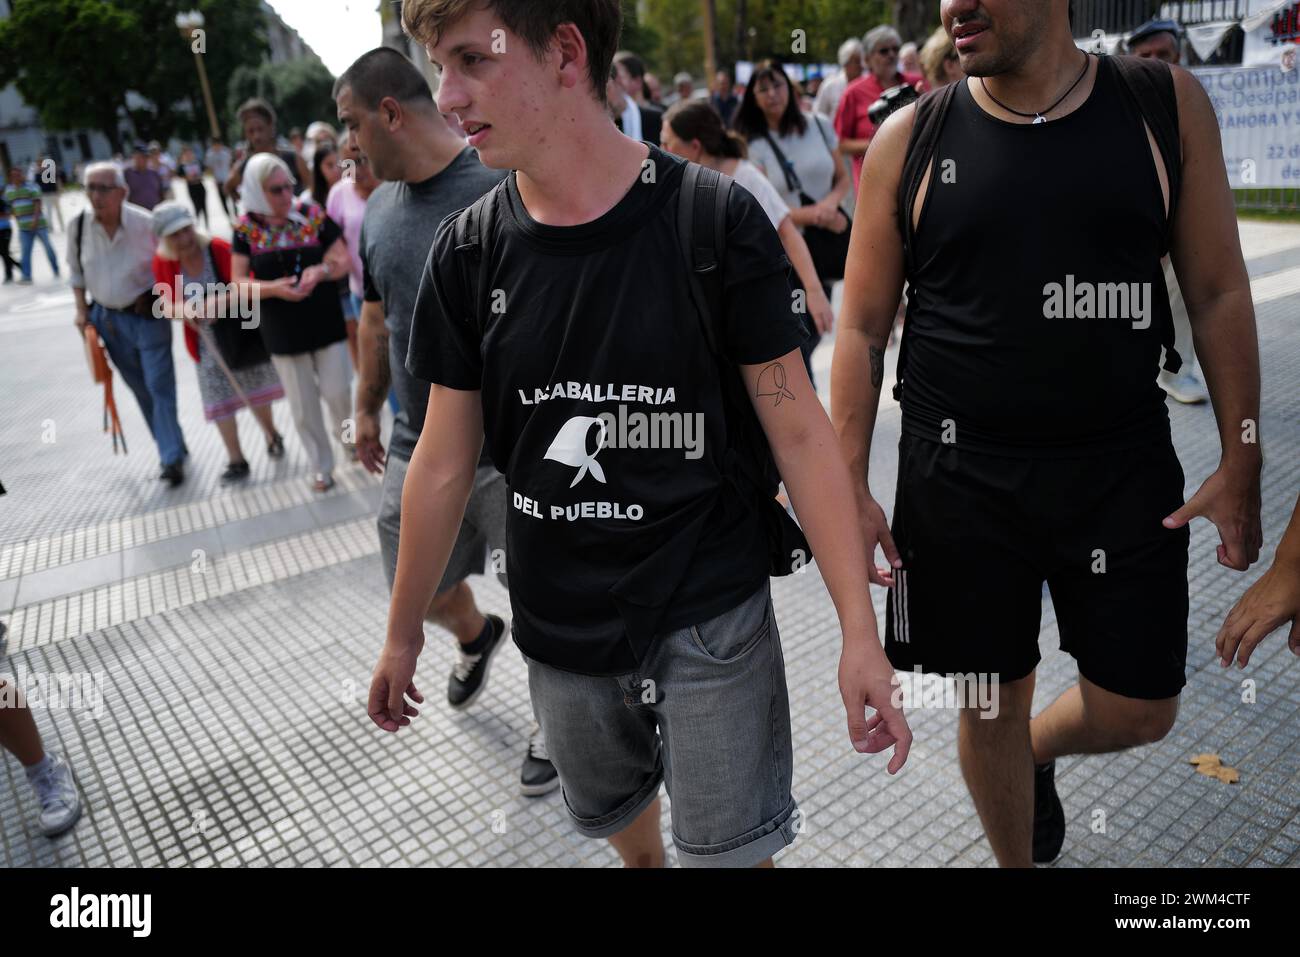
x,y
1185,387
57,792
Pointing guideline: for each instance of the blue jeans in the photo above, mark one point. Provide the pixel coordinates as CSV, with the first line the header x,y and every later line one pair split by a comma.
x,y
141,350
707,713
26,237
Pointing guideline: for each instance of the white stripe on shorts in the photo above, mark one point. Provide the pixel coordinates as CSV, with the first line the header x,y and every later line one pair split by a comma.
x,y
904,630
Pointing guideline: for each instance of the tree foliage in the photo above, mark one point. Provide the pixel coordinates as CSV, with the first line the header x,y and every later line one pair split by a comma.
x,y
796,31
300,91
74,61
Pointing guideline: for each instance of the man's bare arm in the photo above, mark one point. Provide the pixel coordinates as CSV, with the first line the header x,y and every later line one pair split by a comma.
x,y
1206,254
434,495
374,377
873,286
808,458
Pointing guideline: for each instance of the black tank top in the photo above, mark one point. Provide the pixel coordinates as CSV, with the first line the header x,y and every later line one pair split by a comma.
x,y
1037,299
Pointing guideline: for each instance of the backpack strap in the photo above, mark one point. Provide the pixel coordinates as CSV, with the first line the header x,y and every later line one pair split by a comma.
x,y
702,231
81,231
1150,85
473,229
930,112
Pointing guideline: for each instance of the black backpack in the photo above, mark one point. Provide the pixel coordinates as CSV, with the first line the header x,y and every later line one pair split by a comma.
x,y
1150,86
702,233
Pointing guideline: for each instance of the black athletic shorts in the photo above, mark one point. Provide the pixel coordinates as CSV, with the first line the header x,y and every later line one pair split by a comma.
x,y
979,534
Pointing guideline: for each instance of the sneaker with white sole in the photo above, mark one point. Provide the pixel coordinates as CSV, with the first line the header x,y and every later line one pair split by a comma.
x,y
1185,387
469,674
56,789
538,775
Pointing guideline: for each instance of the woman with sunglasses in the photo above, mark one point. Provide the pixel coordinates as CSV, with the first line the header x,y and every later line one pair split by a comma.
x,y
852,124
301,323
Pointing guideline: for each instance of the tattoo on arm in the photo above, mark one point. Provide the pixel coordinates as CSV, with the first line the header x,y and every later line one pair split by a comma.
x,y
772,382
877,356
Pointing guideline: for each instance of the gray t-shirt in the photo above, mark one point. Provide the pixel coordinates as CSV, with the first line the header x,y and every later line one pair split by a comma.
x,y
811,155
396,236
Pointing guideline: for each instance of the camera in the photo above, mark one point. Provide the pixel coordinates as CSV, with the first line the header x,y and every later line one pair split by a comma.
x,y
891,100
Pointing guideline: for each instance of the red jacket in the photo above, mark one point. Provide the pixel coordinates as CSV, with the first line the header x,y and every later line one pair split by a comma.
x,y
166,270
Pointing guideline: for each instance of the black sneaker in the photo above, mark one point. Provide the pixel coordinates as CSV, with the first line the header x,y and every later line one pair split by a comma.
x,y
173,474
1049,816
470,672
235,472
538,776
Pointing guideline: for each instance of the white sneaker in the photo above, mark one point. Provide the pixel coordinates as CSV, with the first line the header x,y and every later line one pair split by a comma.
x,y
57,791
1185,387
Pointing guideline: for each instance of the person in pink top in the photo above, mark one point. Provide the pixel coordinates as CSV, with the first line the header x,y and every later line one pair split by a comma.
x,y
346,205
852,125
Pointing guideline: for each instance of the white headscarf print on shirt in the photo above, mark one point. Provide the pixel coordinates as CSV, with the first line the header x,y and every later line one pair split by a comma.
x,y
252,195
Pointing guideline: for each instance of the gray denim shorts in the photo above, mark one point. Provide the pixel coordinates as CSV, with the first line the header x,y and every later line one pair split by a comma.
x,y
707,714
482,532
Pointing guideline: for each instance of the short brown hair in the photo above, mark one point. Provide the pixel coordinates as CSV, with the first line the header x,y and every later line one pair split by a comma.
x,y
599,21
256,107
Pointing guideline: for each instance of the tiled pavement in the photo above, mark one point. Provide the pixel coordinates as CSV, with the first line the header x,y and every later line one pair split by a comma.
x,y
231,633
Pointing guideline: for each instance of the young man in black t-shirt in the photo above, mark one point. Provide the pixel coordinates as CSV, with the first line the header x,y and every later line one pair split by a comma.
x,y
638,573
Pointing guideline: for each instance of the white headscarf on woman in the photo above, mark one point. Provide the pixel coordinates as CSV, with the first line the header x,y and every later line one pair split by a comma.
x,y
252,193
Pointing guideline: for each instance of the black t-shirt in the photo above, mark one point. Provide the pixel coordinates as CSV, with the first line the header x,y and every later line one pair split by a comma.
x,y
290,328
591,352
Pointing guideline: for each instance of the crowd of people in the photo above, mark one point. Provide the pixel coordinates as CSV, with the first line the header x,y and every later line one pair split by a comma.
x,y
507,309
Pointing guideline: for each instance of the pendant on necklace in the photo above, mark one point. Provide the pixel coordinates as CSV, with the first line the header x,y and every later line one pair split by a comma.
x,y
1039,119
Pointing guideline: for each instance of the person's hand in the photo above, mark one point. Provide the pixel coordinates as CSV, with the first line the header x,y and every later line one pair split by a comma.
x,y
875,531
286,288
820,214
1272,601
867,681
823,315
392,683
309,279
832,218
81,320
370,450
1230,499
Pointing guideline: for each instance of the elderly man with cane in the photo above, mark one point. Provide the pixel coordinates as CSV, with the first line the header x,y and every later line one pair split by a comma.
x,y
110,256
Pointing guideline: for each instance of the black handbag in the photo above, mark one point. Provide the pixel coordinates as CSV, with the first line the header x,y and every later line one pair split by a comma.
x,y
239,347
829,250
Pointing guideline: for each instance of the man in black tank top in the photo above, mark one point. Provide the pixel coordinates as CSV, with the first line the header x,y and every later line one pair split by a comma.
x,y
1028,208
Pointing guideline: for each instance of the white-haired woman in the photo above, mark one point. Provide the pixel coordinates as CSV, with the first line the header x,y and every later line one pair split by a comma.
x,y
290,254
227,351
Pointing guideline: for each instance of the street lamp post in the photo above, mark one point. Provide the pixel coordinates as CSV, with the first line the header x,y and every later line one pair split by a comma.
x,y
187,23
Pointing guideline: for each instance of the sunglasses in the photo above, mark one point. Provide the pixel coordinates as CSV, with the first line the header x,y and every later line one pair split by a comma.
x,y
278,190
886,50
